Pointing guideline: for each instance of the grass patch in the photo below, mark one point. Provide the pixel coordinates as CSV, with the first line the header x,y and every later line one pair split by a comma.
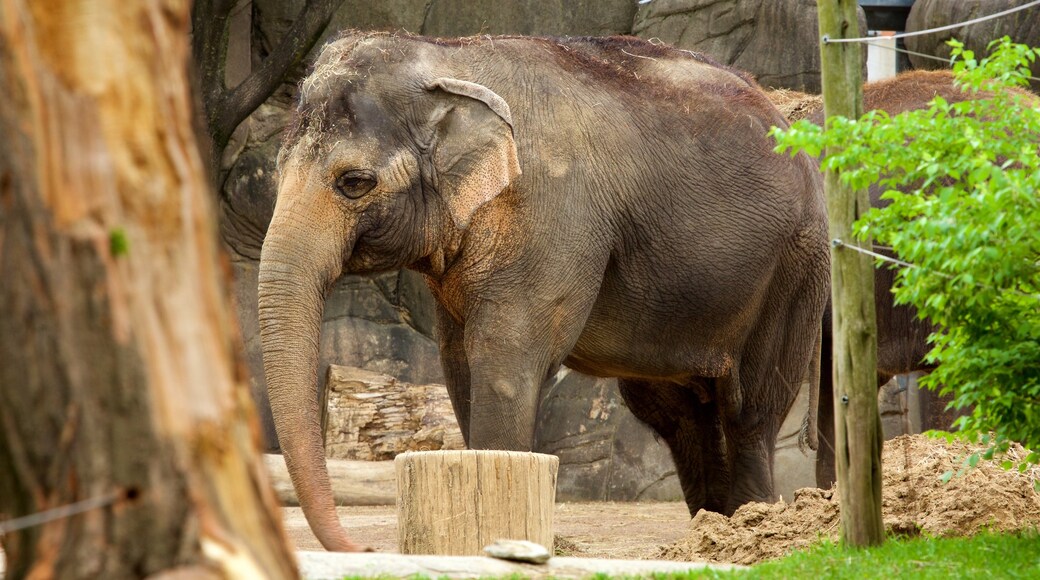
x,y
985,555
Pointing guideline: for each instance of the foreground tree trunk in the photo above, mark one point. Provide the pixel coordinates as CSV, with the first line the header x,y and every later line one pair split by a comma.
x,y
119,381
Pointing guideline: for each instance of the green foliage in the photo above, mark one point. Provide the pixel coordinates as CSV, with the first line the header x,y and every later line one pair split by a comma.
x,y
118,244
962,179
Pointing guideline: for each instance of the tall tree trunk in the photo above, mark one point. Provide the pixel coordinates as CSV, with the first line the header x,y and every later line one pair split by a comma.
x,y
119,374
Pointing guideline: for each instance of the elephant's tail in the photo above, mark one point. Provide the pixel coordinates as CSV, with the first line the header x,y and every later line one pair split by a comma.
x,y
810,434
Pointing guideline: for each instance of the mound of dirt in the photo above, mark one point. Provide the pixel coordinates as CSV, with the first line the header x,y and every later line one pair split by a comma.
x,y
914,500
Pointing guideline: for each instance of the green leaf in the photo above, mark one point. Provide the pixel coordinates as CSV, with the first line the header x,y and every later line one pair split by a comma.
x,y
118,244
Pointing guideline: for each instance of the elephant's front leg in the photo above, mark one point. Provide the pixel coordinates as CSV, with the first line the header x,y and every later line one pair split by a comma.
x,y
451,340
511,352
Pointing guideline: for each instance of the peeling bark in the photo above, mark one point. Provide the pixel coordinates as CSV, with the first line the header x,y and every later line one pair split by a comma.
x,y
119,372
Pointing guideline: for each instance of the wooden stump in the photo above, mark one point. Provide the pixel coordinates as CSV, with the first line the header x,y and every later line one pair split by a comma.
x,y
454,503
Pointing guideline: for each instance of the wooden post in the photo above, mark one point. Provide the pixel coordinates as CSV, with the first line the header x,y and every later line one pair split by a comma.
x,y
454,503
857,423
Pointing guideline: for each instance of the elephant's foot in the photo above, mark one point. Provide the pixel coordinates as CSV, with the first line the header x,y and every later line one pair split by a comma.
x,y
752,481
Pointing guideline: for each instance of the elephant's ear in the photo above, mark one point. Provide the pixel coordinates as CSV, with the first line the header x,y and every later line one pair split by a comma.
x,y
473,150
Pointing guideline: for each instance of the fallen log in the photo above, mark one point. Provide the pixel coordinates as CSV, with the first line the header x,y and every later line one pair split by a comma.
x,y
374,417
353,482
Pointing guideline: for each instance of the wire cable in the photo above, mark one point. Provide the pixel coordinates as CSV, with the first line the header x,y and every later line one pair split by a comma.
x,y
923,55
838,243
65,511
826,38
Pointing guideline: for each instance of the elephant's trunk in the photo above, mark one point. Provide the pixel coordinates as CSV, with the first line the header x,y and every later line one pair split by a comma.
x,y
293,280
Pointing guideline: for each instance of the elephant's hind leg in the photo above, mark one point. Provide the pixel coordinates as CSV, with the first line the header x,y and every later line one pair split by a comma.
x,y
781,353
693,432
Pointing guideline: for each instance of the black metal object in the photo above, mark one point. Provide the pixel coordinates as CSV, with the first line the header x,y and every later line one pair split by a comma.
x,y
886,14
889,15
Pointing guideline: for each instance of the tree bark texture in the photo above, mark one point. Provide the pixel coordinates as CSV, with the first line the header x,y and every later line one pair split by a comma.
x,y
858,434
119,378
373,417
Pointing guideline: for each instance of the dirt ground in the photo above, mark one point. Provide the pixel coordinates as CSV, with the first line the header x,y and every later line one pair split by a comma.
x,y
915,501
594,530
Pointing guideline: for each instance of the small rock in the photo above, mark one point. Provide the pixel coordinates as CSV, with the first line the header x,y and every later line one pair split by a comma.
x,y
518,551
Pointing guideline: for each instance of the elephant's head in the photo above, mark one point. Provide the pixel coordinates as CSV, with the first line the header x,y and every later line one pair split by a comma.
x,y
390,154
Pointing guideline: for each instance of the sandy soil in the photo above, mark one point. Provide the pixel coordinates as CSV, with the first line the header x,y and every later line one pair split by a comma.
x,y
594,530
915,501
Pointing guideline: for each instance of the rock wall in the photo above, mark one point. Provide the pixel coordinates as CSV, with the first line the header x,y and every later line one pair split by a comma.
x,y
775,40
542,18
1023,27
605,452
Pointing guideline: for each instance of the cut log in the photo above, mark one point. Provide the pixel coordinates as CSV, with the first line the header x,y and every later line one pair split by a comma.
x,y
353,482
453,503
373,417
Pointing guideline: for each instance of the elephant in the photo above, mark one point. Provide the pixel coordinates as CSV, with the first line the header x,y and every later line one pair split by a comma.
x,y
608,203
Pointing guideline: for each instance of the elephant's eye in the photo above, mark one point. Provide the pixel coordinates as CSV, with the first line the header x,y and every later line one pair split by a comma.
x,y
354,184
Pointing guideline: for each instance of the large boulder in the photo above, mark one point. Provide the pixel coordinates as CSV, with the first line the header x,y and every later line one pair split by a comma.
x,y
605,452
1023,27
542,18
777,41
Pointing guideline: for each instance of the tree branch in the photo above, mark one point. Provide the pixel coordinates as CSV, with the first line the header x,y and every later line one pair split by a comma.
x,y
209,22
232,107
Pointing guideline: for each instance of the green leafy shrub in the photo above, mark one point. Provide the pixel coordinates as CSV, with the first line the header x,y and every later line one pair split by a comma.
x,y
963,180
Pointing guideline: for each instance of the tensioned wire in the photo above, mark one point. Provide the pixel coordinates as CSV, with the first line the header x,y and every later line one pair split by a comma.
x,y
920,54
65,511
826,38
838,243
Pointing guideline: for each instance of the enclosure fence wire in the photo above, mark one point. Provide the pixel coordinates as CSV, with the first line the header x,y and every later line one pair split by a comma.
x,y
838,243
58,513
826,38
921,54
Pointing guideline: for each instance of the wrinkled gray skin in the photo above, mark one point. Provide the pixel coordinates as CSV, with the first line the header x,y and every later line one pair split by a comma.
x,y
603,203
